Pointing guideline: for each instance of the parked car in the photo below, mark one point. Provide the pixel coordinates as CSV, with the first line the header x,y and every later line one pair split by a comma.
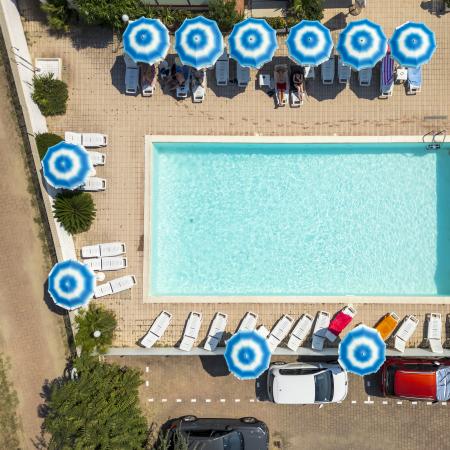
x,y
247,433
416,379
307,383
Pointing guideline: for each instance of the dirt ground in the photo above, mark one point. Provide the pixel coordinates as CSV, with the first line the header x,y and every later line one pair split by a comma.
x,y
31,335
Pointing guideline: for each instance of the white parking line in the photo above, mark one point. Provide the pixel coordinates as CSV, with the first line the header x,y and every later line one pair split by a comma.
x,y
444,403
429,403
151,399
399,403
146,383
193,400
163,400
178,400
147,369
413,403
368,401
385,402
237,400
207,400
222,400
252,400
353,402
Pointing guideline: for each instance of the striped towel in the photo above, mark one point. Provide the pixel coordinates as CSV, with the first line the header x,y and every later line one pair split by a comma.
x,y
387,70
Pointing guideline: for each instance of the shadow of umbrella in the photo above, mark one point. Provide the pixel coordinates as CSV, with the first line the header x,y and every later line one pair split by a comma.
x,y
118,74
372,384
229,91
321,92
214,365
367,92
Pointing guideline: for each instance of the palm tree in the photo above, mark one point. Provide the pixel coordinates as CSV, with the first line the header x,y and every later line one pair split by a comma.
x,y
75,211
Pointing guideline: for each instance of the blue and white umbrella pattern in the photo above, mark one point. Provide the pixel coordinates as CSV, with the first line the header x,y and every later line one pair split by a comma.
x,y
412,44
247,355
309,43
362,351
252,43
71,284
66,166
362,44
199,42
146,40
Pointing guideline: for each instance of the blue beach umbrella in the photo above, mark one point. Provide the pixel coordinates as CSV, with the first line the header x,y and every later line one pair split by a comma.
x,y
146,40
362,351
199,42
66,166
412,44
252,43
247,355
362,44
71,284
309,43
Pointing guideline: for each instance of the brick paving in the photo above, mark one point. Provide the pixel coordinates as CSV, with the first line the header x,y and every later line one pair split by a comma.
x,y
94,70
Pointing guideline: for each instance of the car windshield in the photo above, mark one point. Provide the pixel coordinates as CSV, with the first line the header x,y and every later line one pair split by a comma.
x,y
324,386
233,441
215,440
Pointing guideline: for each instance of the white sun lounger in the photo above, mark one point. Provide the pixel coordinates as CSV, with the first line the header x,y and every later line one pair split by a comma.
x,y
97,158
263,331
102,250
300,332
114,286
279,332
183,91
191,330
249,322
86,139
344,72
157,329
131,80
365,77
242,75
310,72
93,184
148,80
405,332
320,330
434,333
198,90
216,331
327,71
414,82
106,264
223,69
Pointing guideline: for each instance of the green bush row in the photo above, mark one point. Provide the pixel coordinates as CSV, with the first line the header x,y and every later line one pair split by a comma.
x,y
46,140
50,95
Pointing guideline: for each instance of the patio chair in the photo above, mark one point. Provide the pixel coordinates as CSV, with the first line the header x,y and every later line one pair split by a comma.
x,y
279,332
387,76
114,286
102,290
414,82
101,250
365,77
300,332
191,331
183,90
387,324
97,158
106,264
310,72
297,86
198,86
320,329
434,333
223,69
148,79
93,184
344,72
281,80
242,75
327,71
131,80
339,322
216,331
86,139
249,322
157,330
405,332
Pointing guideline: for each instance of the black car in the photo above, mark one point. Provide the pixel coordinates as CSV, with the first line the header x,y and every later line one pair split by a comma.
x,y
247,433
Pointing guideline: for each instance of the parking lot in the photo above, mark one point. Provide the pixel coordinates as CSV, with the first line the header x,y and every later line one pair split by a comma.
x,y
177,386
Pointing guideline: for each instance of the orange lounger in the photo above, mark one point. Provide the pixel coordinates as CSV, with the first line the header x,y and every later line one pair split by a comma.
x,y
387,325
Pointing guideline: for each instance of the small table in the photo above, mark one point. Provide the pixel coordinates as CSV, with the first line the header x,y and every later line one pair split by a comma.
x,y
401,74
264,80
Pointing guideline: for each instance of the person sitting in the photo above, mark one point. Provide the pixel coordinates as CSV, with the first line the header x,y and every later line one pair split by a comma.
x,y
298,81
281,84
199,78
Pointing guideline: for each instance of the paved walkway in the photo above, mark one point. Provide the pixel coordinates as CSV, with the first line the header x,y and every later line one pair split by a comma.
x,y
31,335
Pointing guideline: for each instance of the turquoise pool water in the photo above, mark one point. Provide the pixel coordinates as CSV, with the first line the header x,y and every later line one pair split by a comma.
x,y
299,219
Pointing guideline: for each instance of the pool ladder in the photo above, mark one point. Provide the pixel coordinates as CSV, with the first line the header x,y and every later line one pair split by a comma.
x,y
435,145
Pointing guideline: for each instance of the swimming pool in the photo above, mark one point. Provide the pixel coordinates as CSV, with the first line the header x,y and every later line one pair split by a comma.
x,y
256,219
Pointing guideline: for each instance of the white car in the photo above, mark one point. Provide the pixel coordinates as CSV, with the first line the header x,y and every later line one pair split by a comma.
x,y
306,383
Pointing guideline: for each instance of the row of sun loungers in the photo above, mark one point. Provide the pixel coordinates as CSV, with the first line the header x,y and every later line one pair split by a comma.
x,y
325,328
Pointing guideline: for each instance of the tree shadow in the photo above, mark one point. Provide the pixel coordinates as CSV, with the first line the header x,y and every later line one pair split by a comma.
x,y
215,365
336,4
88,36
337,22
118,74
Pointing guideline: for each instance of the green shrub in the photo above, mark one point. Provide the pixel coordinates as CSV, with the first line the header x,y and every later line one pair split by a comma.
x,y
46,140
75,211
277,23
307,9
58,14
95,318
224,13
50,95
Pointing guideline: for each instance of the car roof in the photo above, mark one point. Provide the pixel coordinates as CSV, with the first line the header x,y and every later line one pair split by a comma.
x,y
294,388
415,384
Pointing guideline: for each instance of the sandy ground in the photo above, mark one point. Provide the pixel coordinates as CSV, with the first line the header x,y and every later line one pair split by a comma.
x,y
30,334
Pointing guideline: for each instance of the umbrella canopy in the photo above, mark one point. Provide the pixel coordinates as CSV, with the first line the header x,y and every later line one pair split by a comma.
x,y
412,44
362,44
362,351
252,43
247,355
66,166
146,40
71,284
309,43
199,42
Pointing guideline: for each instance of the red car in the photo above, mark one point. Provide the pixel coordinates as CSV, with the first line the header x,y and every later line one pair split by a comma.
x,y
416,379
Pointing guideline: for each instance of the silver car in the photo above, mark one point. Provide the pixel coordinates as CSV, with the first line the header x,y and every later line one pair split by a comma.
x,y
307,383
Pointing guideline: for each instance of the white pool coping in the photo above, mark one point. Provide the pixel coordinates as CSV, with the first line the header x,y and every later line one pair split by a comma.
x,y
150,139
